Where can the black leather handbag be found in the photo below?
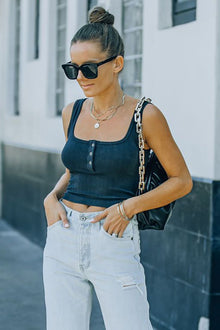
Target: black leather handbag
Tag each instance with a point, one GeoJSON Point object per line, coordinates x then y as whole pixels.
{"type": "Point", "coordinates": [154, 176]}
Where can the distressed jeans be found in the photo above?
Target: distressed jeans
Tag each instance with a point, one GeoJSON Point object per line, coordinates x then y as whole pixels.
{"type": "Point", "coordinates": [83, 256]}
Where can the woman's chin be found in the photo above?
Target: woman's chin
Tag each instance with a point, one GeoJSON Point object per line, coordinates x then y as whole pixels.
{"type": "Point", "coordinates": [89, 93]}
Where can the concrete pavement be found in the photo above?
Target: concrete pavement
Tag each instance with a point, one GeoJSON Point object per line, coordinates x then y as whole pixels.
{"type": "Point", "coordinates": [22, 304]}
{"type": "Point", "coordinates": [21, 284]}
{"type": "Point", "coordinates": [21, 290]}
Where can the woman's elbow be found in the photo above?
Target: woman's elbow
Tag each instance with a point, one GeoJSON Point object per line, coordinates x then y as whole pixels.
{"type": "Point", "coordinates": [187, 185]}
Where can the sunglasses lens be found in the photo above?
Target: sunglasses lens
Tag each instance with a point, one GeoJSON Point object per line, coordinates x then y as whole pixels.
{"type": "Point", "coordinates": [89, 70]}
{"type": "Point", "coordinates": [70, 71]}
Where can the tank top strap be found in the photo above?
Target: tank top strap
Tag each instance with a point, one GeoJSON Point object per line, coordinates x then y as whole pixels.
{"type": "Point", "coordinates": [75, 113]}
{"type": "Point", "coordinates": [142, 108]}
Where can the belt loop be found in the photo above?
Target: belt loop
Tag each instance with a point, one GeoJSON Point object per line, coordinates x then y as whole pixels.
{"type": "Point", "coordinates": [70, 213]}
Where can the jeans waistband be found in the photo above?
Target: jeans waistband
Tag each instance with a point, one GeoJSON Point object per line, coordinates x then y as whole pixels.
{"type": "Point", "coordinates": [80, 215]}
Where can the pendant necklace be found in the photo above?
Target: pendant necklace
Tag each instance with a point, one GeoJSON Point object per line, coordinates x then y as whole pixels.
{"type": "Point", "coordinates": [97, 124]}
{"type": "Point", "coordinates": [103, 113]}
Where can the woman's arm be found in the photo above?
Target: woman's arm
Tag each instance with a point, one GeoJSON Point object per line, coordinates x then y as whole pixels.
{"type": "Point", "coordinates": [59, 188]}
{"type": "Point", "coordinates": [52, 207]}
{"type": "Point", "coordinates": [157, 135]}
{"type": "Point", "coordinates": [61, 185]}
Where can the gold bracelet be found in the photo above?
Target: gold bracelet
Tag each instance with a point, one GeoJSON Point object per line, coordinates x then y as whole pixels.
{"type": "Point", "coordinates": [119, 211]}
{"type": "Point", "coordinates": [123, 212]}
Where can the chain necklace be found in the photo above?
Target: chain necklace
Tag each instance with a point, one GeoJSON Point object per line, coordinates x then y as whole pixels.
{"type": "Point", "coordinates": [97, 125]}
{"type": "Point", "coordinates": [103, 113]}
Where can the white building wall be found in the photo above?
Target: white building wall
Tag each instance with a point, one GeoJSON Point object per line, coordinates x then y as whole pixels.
{"type": "Point", "coordinates": [37, 126]}
{"type": "Point", "coordinates": [217, 94]}
{"type": "Point", "coordinates": [1, 96]}
{"type": "Point", "coordinates": [179, 74]}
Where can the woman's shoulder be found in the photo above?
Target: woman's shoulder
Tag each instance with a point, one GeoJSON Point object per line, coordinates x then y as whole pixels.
{"type": "Point", "coordinates": [152, 113]}
{"type": "Point", "coordinates": [66, 116]}
{"type": "Point", "coordinates": [149, 111]}
{"type": "Point", "coordinates": [67, 109]}
{"type": "Point", "coordinates": [154, 122]}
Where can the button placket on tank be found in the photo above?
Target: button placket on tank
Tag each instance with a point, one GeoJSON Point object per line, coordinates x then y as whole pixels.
{"type": "Point", "coordinates": [90, 156]}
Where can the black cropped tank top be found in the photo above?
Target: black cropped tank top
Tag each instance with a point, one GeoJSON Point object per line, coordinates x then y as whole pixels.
{"type": "Point", "coordinates": [103, 173]}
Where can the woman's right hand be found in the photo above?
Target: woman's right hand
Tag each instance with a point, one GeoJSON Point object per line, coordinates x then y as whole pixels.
{"type": "Point", "coordinates": [54, 210]}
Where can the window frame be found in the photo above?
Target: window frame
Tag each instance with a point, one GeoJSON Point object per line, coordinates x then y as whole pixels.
{"type": "Point", "coordinates": [183, 12]}
{"type": "Point", "coordinates": [37, 29]}
{"type": "Point", "coordinates": [33, 30]}
{"type": "Point", "coordinates": [59, 80]}
{"type": "Point", "coordinates": [91, 4]}
{"type": "Point", "coordinates": [134, 86]}
{"type": "Point", "coordinates": [17, 46]}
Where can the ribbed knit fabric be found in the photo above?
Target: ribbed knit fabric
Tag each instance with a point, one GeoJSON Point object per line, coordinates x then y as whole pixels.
{"type": "Point", "coordinates": [102, 173]}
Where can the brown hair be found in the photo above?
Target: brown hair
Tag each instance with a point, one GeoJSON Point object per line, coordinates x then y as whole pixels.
{"type": "Point", "coordinates": [100, 29]}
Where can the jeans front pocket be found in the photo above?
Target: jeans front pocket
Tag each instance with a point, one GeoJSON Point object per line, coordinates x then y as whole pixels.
{"type": "Point", "coordinates": [127, 234]}
{"type": "Point", "coordinates": [58, 222]}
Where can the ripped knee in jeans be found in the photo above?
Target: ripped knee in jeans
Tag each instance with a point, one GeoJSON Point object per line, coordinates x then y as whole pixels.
{"type": "Point", "coordinates": [128, 281]}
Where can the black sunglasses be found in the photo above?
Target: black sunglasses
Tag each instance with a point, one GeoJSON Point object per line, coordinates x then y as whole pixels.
{"type": "Point", "coordinates": [89, 70]}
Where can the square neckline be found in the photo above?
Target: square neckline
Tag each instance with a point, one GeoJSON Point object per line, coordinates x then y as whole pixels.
{"type": "Point", "coordinates": [99, 141]}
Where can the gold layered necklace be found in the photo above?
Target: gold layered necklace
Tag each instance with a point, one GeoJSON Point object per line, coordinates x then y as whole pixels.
{"type": "Point", "coordinates": [99, 120]}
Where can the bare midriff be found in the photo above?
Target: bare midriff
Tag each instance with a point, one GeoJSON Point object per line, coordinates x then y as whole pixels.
{"type": "Point", "coordinates": [82, 207]}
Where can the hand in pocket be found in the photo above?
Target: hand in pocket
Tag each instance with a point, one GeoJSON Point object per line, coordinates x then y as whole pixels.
{"type": "Point", "coordinates": [55, 211]}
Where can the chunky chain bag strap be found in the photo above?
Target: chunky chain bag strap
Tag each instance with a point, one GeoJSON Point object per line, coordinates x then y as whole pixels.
{"type": "Point", "coordinates": [153, 176]}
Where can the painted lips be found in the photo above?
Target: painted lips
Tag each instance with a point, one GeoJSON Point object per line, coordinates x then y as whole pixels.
{"type": "Point", "coordinates": [86, 86]}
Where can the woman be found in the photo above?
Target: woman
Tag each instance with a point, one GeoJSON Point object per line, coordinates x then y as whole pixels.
{"type": "Point", "coordinates": [91, 242]}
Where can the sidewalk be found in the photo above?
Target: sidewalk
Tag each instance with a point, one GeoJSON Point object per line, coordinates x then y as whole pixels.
{"type": "Point", "coordinates": [22, 304]}
{"type": "Point", "coordinates": [21, 299]}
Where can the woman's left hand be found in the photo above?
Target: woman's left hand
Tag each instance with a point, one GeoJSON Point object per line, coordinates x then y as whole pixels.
{"type": "Point", "coordinates": [114, 223]}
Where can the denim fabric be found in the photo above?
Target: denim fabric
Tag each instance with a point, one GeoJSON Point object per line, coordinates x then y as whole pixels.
{"type": "Point", "coordinates": [85, 255]}
{"type": "Point", "coordinates": [102, 173]}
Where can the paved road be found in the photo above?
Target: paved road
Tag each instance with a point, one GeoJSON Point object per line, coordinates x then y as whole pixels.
{"type": "Point", "coordinates": [21, 284]}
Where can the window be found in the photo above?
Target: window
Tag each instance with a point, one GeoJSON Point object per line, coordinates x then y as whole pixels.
{"type": "Point", "coordinates": [91, 3]}
{"type": "Point", "coordinates": [37, 19]}
{"type": "Point", "coordinates": [184, 11]}
{"type": "Point", "coordinates": [60, 53]}
{"type": "Point", "coordinates": [33, 31]}
{"type": "Point", "coordinates": [17, 57]}
{"type": "Point", "coordinates": [132, 27]}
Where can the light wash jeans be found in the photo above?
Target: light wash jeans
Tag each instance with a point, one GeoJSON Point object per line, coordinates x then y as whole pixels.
{"type": "Point", "coordinates": [85, 255]}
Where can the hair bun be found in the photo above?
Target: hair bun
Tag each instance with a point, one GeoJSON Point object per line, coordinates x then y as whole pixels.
{"type": "Point", "coordinates": [100, 15]}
